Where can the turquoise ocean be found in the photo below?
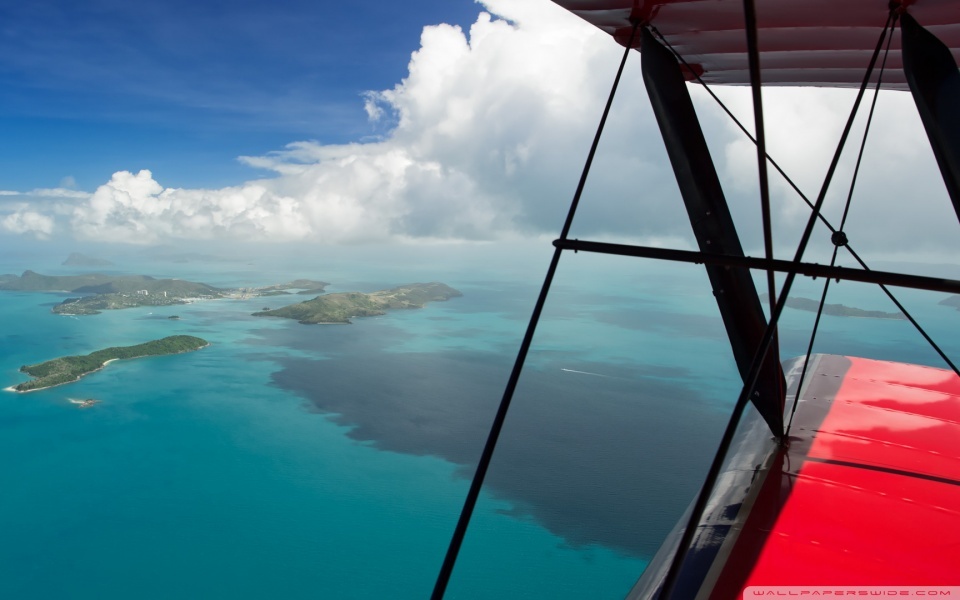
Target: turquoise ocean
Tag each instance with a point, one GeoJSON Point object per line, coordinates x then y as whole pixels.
{"type": "Point", "coordinates": [293, 461]}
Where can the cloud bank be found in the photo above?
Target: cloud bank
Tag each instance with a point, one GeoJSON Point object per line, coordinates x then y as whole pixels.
{"type": "Point", "coordinates": [485, 139]}
{"type": "Point", "coordinates": [25, 220]}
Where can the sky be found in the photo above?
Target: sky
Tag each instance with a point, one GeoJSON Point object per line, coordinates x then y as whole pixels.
{"type": "Point", "coordinates": [429, 121]}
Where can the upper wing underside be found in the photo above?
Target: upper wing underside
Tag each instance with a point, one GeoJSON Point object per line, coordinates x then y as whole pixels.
{"type": "Point", "coordinates": [814, 42]}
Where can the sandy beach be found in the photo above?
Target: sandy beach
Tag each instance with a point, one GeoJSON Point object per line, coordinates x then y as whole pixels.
{"type": "Point", "coordinates": [14, 389]}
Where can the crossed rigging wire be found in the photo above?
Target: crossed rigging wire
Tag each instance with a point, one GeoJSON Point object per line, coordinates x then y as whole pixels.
{"type": "Point", "coordinates": [672, 576]}
{"type": "Point", "coordinates": [838, 236]}
{"type": "Point", "coordinates": [473, 494]}
{"type": "Point", "coordinates": [777, 302]}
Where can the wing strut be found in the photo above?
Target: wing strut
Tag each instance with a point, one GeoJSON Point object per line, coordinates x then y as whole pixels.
{"type": "Point", "coordinates": [672, 578]}
{"type": "Point", "coordinates": [935, 83]}
{"type": "Point", "coordinates": [712, 224]}
{"type": "Point", "coordinates": [473, 494]}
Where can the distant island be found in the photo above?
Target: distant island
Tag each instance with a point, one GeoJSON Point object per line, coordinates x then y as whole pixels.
{"type": "Point", "coordinates": [85, 403]}
{"type": "Point", "coordinates": [839, 310]}
{"type": "Point", "coordinates": [98, 292]}
{"type": "Point", "coordinates": [68, 369]}
{"type": "Point", "coordinates": [953, 301]}
{"type": "Point", "coordinates": [305, 286]}
{"type": "Point", "coordinates": [339, 308]}
{"type": "Point", "coordinates": [82, 260]}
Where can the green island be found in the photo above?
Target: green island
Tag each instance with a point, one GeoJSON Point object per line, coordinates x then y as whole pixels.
{"type": "Point", "coordinates": [339, 308]}
{"type": "Point", "coordinates": [68, 369]}
{"type": "Point", "coordinates": [305, 286]}
{"type": "Point", "coordinates": [839, 310]}
{"type": "Point", "coordinates": [98, 291]}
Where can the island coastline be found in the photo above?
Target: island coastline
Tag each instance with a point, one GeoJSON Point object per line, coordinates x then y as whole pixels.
{"type": "Point", "coordinates": [341, 307]}
{"type": "Point", "coordinates": [152, 348]}
{"type": "Point", "coordinates": [96, 292]}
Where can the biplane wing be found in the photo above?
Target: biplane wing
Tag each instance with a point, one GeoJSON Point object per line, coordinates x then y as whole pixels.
{"type": "Point", "coordinates": [866, 493]}
{"type": "Point", "coordinates": [811, 43]}
{"type": "Point", "coordinates": [862, 486]}
{"type": "Point", "coordinates": [866, 488]}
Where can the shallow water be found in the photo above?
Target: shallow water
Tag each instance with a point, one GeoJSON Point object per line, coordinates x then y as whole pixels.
{"type": "Point", "coordinates": [331, 461]}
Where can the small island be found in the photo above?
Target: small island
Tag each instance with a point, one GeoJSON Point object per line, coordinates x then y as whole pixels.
{"type": "Point", "coordinates": [838, 310]}
{"type": "Point", "coordinates": [953, 301]}
{"type": "Point", "coordinates": [85, 403]}
{"type": "Point", "coordinates": [306, 286]}
{"type": "Point", "coordinates": [341, 307]}
{"type": "Point", "coordinates": [68, 369]}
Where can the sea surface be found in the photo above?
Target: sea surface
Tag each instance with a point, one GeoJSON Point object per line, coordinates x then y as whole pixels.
{"type": "Point", "coordinates": [293, 461]}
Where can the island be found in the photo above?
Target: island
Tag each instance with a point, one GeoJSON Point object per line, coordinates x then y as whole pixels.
{"type": "Point", "coordinates": [82, 260]}
{"type": "Point", "coordinates": [85, 403]}
{"type": "Point", "coordinates": [98, 291]}
{"type": "Point", "coordinates": [305, 286]}
{"type": "Point", "coordinates": [953, 301]}
{"type": "Point", "coordinates": [339, 308]}
{"type": "Point", "coordinates": [838, 310]}
{"type": "Point", "coordinates": [68, 369]}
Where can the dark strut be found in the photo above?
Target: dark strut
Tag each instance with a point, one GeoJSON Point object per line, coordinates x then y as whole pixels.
{"type": "Point", "coordinates": [470, 502]}
{"type": "Point", "coordinates": [712, 224]}
{"type": "Point", "coordinates": [904, 280]}
{"type": "Point", "coordinates": [672, 577]}
{"type": "Point", "coordinates": [935, 82]}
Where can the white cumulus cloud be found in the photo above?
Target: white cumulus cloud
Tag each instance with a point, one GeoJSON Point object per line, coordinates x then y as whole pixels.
{"type": "Point", "coordinates": [135, 208]}
{"type": "Point", "coordinates": [489, 132]}
{"type": "Point", "coordinates": [28, 221]}
{"type": "Point", "coordinates": [479, 137]}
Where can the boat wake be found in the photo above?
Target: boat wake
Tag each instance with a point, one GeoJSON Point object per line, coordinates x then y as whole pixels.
{"type": "Point", "coordinates": [584, 372]}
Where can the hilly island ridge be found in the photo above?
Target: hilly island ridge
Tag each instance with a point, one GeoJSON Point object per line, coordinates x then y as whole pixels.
{"type": "Point", "coordinates": [98, 291]}
{"type": "Point", "coordinates": [837, 310]}
{"type": "Point", "coordinates": [68, 369]}
{"type": "Point", "coordinates": [339, 308]}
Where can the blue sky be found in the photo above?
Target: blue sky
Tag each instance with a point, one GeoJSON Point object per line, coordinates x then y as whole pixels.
{"type": "Point", "coordinates": [183, 87]}
{"type": "Point", "coordinates": [428, 121]}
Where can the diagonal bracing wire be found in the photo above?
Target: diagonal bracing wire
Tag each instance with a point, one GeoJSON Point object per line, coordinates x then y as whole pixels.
{"type": "Point", "coordinates": [443, 578]}
{"type": "Point", "coordinates": [806, 200]}
{"type": "Point", "coordinates": [839, 238]}
{"type": "Point", "coordinates": [750, 381]}
{"type": "Point", "coordinates": [753, 58]}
